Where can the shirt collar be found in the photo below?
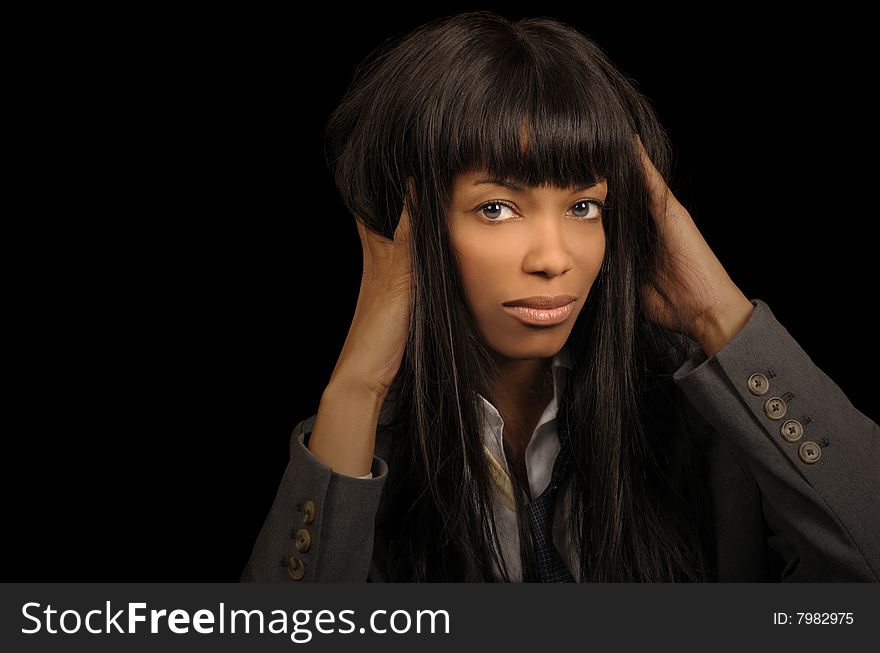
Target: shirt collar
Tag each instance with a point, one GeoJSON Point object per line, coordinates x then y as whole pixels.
{"type": "Point", "coordinates": [493, 437]}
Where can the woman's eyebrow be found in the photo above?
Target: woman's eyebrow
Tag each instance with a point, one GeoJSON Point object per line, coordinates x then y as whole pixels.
{"type": "Point", "coordinates": [521, 189]}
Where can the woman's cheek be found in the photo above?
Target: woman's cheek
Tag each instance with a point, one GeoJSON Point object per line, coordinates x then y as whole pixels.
{"type": "Point", "coordinates": [591, 254]}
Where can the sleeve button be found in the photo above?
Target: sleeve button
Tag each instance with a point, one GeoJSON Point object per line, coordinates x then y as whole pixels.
{"type": "Point", "coordinates": [792, 430]}
{"type": "Point", "coordinates": [774, 408]}
{"type": "Point", "coordinates": [758, 384]}
{"type": "Point", "coordinates": [295, 568]}
{"type": "Point", "coordinates": [302, 540]}
{"type": "Point", "coordinates": [309, 511]}
{"type": "Point", "coordinates": [810, 452]}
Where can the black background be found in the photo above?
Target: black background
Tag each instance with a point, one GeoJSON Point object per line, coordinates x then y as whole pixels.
{"type": "Point", "coordinates": [181, 274]}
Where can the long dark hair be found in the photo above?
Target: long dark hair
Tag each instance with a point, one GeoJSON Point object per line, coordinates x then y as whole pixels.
{"type": "Point", "coordinates": [453, 96]}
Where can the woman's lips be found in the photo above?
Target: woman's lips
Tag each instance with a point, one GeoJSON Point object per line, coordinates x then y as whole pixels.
{"type": "Point", "coordinates": [541, 316]}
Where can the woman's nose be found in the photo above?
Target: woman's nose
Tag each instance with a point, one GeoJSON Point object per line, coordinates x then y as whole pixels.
{"type": "Point", "coordinates": [547, 250]}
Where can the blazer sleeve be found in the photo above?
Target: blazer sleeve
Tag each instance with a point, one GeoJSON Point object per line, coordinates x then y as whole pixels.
{"type": "Point", "coordinates": [814, 457]}
{"type": "Point", "coordinates": [320, 527]}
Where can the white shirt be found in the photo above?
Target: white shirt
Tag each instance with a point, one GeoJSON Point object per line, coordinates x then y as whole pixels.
{"type": "Point", "coordinates": [539, 458]}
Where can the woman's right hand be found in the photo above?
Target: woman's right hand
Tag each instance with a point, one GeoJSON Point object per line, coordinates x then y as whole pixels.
{"type": "Point", "coordinates": [376, 340]}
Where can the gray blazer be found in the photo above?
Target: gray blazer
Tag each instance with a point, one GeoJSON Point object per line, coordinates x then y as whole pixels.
{"type": "Point", "coordinates": [793, 476]}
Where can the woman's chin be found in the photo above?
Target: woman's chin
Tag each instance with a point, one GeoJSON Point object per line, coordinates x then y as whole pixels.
{"type": "Point", "coordinates": [530, 348]}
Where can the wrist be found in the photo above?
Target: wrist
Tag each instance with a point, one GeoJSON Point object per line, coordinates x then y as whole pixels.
{"type": "Point", "coordinates": [718, 327]}
{"type": "Point", "coordinates": [344, 433]}
{"type": "Point", "coordinates": [354, 390]}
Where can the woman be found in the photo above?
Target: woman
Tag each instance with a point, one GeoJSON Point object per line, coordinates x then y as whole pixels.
{"type": "Point", "coordinates": [549, 376]}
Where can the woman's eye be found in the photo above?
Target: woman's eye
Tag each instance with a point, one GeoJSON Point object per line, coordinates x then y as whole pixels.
{"type": "Point", "coordinates": [494, 211]}
{"type": "Point", "coordinates": [587, 209]}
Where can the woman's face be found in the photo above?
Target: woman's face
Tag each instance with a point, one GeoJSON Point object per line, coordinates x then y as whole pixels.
{"type": "Point", "coordinates": [519, 243]}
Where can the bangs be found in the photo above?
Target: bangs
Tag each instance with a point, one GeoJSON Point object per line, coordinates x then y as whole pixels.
{"type": "Point", "coordinates": [534, 121]}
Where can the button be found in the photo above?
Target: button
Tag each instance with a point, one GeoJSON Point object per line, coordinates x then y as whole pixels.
{"type": "Point", "coordinates": [774, 408]}
{"type": "Point", "coordinates": [758, 384]}
{"type": "Point", "coordinates": [792, 430]}
{"type": "Point", "coordinates": [302, 540]}
{"type": "Point", "coordinates": [295, 568]}
{"type": "Point", "coordinates": [810, 452]}
{"type": "Point", "coordinates": [309, 511]}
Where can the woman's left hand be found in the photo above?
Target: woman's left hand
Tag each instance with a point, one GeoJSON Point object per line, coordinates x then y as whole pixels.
{"type": "Point", "coordinates": [700, 290]}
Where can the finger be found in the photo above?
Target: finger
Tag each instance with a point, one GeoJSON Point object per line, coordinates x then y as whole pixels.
{"type": "Point", "coordinates": [658, 191]}
{"type": "Point", "coordinates": [402, 237]}
{"type": "Point", "coordinates": [380, 248]}
{"type": "Point", "coordinates": [403, 225]}
{"type": "Point", "coordinates": [403, 230]}
{"type": "Point", "coordinates": [365, 247]}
